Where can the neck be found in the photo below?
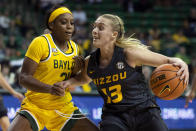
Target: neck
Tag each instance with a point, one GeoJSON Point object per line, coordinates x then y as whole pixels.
{"type": "Point", "coordinates": [106, 54]}
{"type": "Point", "coordinates": [61, 43]}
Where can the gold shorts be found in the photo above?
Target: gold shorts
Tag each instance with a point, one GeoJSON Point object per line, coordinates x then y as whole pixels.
{"type": "Point", "coordinates": [54, 120]}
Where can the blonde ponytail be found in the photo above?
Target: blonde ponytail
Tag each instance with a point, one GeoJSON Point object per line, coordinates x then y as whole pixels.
{"type": "Point", "coordinates": [130, 42]}
{"type": "Point", "coordinates": [118, 25]}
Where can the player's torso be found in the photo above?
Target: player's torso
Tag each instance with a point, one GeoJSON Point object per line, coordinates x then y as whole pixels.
{"type": "Point", "coordinates": [55, 68]}
{"type": "Point", "coordinates": [119, 84]}
{"type": "Point", "coordinates": [58, 65]}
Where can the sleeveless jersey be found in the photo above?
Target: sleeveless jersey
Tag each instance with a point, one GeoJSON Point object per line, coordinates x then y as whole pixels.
{"type": "Point", "coordinates": [121, 86]}
{"type": "Point", "coordinates": [54, 65]}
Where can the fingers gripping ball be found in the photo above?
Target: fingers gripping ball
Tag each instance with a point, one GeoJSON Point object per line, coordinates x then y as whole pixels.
{"type": "Point", "coordinates": [165, 83]}
{"type": "Point", "coordinates": [78, 64]}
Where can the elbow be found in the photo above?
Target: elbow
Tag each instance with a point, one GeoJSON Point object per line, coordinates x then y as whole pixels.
{"type": "Point", "coordinates": [21, 79]}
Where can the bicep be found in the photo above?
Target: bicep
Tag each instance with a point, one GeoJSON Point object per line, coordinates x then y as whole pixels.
{"type": "Point", "coordinates": [29, 66]}
{"type": "Point", "coordinates": [146, 57]}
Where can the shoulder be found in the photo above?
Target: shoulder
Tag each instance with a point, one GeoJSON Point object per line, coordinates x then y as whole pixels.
{"type": "Point", "coordinates": [40, 40]}
{"type": "Point", "coordinates": [133, 55]}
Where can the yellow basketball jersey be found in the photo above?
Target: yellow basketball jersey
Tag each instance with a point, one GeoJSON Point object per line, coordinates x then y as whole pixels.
{"type": "Point", "coordinates": [54, 65]}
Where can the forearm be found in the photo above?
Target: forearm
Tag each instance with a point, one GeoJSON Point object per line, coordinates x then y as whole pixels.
{"type": "Point", "coordinates": [4, 84]}
{"type": "Point", "coordinates": [194, 83]}
{"type": "Point", "coordinates": [172, 60]}
{"type": "Point", "coordinates": [29, 82]}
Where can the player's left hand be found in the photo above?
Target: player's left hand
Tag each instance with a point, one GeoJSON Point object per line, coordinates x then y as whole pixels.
{"type": "Point", "coordinates": [64, 85]}
{"type": "Point", "coordinates": [183, 71]}
{"type": "Point", "coordinates": [79, 64]}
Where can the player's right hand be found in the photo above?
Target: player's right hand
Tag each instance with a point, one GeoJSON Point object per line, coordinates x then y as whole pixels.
{"type": "Point", "coordinates": [18, 95]}
{"type": "Point", "coordinates": [57, 90]}
{"type": "Point", "coordinates": [189, 98]}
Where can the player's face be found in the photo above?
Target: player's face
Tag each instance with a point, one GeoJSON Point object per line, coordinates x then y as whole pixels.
{"type": "Point", "coordinates": [102, 32]}
{"type": "Point", "coordinates": [63, 26]}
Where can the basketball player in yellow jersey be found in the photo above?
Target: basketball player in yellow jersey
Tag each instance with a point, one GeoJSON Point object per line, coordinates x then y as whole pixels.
{"type": "Point", "coordinates": [49, 59]}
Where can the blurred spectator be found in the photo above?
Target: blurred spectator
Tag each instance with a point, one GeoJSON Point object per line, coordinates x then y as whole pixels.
{"type": "Point", "coordinates": [13, 30]}
{"type": "Point", "coordinates": [127, 5]}
{"type": "Point", "coordinates": [154, 31]}
{"type": "Point", "coordinates": [79, 16]}
{"type": "Point", "coordinates": [12, 47]}
{"type": "Point", "coordinates": [183, 54]}
{"type": "Point", "coordinates": [192, 21]}
{"type": "Point", "coordinates": [180, 38]}
{"type": "Point", "coordinates": [4, 21]}
{"type": "Point", "coordinates": [27, 40]}
{"type": "Point", "coordinates": [142, 37]}
{"type": "Point", "coordinates": [143, 6]}
{"type": "Point", "coordinates": [94, 1]}
{"type": "Point", "coordinates": [154, 38]}
{"type": "Point", "coordinates": [155, 43]}
{"type": "Point", "coordinates": [46, 4]}
{"type": "Point", "coordinates": [5, 69]}
{"type": "Point", "coordinates": [18, 20]}
{"type": "Point", "coordinates": [187, 31]}
{"type": "Point", "coordinates": [168, 46]}
{"type": "Point", "coordinates": [2, 47]}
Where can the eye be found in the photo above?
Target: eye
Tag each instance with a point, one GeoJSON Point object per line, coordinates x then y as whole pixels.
{"type": "Point", "coordinates": [101, 27]}
{"type": "Point", "coordinates": [72, 23]}
{"type": "Point", "coordinates": [63, 22]}
{"type": "Point", "coordinates": [92, 25]}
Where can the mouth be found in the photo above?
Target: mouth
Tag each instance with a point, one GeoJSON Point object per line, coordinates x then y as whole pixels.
{"type": "Point", "coordinates": [95, 38]}
{"type": "Point", "coordinates": [68, 33]}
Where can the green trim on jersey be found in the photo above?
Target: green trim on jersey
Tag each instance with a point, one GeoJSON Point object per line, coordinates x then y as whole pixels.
{"type": "Point", "coordinates": [33, 124]}
{"type": "Point", "coordinates": [48, 48]}
{"type": "Point", "coordinates": [70, 124]}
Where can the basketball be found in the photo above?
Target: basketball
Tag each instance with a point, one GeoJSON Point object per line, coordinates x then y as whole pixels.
{"type": "Point", "coordinates": [165, 83]}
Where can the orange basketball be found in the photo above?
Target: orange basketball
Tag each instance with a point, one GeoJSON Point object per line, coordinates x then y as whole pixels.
{"type": "Point", "coordinates": [165, 83]}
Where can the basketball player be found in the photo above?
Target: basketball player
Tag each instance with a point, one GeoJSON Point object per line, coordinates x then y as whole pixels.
{"type": "Point", "coordinates": [4, 120]}
{"type": "Point", "coordinates": [49, 59]}
{"type": "Point", "coordinates": [115, 68]}
{"type": "Point", "coordinates": [191, 94]}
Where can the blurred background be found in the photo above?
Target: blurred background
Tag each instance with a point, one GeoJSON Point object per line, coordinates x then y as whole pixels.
{"type": "Point", "coordinates": [167, 26]}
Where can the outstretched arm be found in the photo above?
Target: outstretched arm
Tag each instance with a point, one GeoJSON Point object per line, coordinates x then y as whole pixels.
{"type": "Point", "coordinates": [140, 56]}
{"type": "Point", "coordinates": [191, 94]}
{"type": "Point", "coordinates": [4, 84]}
{"type": "Point", "coordinates": [27, 80]}
{"type": "Point", "coordinates": [80, 79]}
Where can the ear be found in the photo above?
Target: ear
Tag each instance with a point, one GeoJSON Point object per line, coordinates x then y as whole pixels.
{"type": "Point", "coordinates": [115, 34]}
{"type": "Point", "coordinates": [51, 25]}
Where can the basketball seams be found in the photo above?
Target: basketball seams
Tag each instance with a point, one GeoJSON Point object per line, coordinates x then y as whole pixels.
{"type": "Point", "coordinates": [163, 82]}
{"type": "Point", "coordinates": [161, 71]}
{"type": "Point", "coordinates": [172, 90]}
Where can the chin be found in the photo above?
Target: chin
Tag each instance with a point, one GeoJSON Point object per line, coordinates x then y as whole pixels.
{"type": "Point", "coordinates": [67, 37]}
{"type": "Point", "coordinates": [95, 44]}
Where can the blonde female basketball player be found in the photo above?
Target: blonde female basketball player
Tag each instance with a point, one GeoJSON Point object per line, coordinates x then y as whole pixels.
{"type": "Point", "coordinates": [116, 69]}
{"type": "Point", "coordinates": [49, 60]}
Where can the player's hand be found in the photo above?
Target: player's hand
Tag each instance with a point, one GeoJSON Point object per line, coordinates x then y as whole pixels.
{"type": "Point", "coordinates": [79, 64]}
{"type": "Point", "coordinates": [63, 84]}
{"type": "Point", "coordinates": [183, 71]}
{"type": "Point", "coordinates": [18, 95]}
{"type": "Point", "coordinates": [189, 98]}
{"type": "Point", "coordinates": [57, 90]}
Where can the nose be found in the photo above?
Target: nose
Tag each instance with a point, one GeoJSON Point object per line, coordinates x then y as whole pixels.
{"type": "Point", "coordinates": [94, 32]}
{"type": "Point", "coordinates": [69, 26]}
